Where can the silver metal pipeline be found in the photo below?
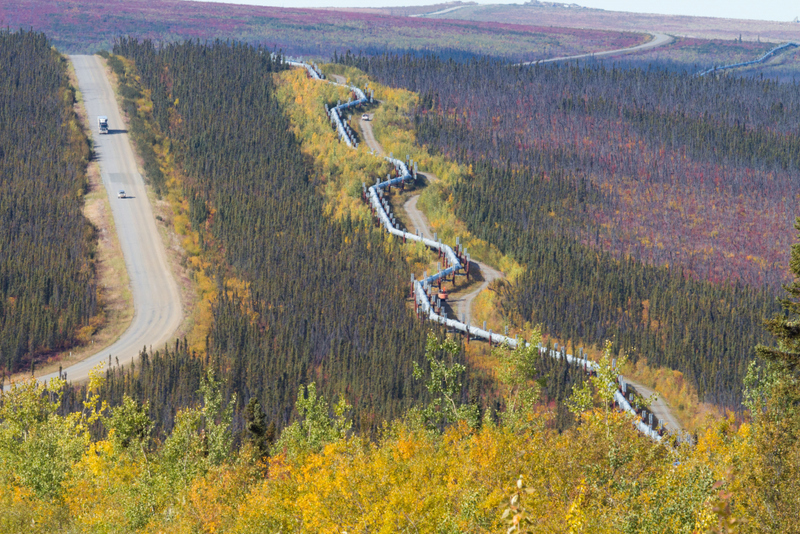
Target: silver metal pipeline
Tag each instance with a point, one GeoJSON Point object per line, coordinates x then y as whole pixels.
{"type": "Point", "coordinates": [336, 115]}
{"type": "Point", "coordinates": [312, 69]}
{"type": "Point", "coordinates": [335, 112]}
{"type": "Point", "coordinates": [455, 265]}
{"type": "Point", "coordinates": [763, 58]}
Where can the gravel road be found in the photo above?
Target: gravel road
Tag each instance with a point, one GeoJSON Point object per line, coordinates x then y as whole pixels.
{"type": "Point", "coordinates": [659, 39]}
{"type": "Point", "coordinates": [156, 299]}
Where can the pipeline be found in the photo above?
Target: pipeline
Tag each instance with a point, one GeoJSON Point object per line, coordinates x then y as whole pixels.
{"type": "Point", "coordinates": [747, 63]}
{"type": "Point", "coordinates": [454, 258]}
{"type": "Point", "coordinates": [311, 68]}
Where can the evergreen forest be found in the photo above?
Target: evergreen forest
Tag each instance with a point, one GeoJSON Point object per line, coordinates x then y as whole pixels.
{"type": "Point", "coordinates": [648, 207]}
{"type": "Point", "coordinates": [48, 288]}
{"type": "Point", "coordinates": [310, 307]}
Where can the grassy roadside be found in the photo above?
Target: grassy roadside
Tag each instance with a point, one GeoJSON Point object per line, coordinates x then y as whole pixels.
{"type": "Point", "coordinates": [394, 131]}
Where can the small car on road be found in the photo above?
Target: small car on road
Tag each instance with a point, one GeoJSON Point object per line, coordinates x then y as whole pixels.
{"type": "Point", "coordinates": [121, 194]}
{"type": "Point", "coordinates": [365, 117]}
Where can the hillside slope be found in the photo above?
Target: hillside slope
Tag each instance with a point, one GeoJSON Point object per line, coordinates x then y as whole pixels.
{"type": "Point", "coordinates": [48, 284]}
{"type": "Point", "coordinates": [296, 298]}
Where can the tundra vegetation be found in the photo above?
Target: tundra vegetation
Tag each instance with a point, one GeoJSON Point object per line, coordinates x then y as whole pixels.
{"type": "Point", "coordinates": [568, 16]}
{"type": "Point", "coordinates": [91, 25]}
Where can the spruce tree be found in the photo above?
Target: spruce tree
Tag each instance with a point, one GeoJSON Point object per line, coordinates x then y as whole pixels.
{"type": "Point", "coordinates": [786, 327]}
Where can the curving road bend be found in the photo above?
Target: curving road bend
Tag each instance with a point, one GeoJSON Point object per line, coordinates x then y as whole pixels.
{"type": "Point", "coordinates": [659, 39]}
{"type": "Point", "coordinates": [441, 12]}
{"type": "Point", "coordinates": [416, 217]}
{"type": "Point", "coordinates": [462, 303]}
{"type": "Point", "coordinates": [156, 299]}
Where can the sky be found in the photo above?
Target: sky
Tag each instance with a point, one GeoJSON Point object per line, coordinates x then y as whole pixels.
{"type": "Point", "coordinates": [779, 10]}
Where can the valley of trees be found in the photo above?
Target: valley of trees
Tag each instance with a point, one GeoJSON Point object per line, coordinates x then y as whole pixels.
{"type": "Point", "coordinates": [648, 207]}
{"type": "Point", "coordinates": [317, 300]}
{"type": "Point", "coordinates": [48, 288]}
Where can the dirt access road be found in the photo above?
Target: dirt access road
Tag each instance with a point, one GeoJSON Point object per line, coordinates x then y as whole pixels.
{"type": "Point", "coordinates": [156, 298]}
{"type": "Point", "coordinates": [661, 409]}
{"type": "Point", "coordinates": [462, 304]}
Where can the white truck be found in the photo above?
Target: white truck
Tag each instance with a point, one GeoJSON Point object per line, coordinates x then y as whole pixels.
{"type": "Point", "coordinates": [102, 124]}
